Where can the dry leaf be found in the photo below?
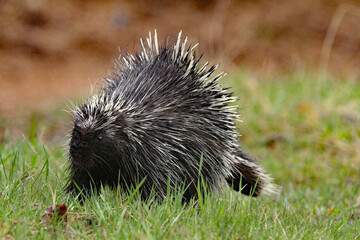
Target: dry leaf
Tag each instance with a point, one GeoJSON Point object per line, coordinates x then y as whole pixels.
{"type": "Point", "coordinates": [330, 210]}
{"type": "Point", "coordinates": [50, 211]}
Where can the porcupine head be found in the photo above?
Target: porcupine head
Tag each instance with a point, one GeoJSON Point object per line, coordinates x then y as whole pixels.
{"type": "Point", "coordinates": [161, 119]}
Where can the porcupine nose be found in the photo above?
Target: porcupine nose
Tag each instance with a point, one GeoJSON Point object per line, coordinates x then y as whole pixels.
{"type": "Point", "coordinates": [79, 144]}
{"type": "Point", "coordinates": [78, 139]}
{"type": "Point", "coordinates": [79, 151]}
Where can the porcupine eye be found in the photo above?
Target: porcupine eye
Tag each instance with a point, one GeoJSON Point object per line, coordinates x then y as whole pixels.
{"type": "Point", "coordinates": [99, 137]}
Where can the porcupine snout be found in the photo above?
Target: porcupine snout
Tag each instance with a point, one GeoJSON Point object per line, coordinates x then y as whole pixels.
{"type": "Point", "coordinates": [80, 151]}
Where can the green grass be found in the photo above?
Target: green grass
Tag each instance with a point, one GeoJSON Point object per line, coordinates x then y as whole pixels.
{"type": "Point", "coordinates": [306, 133]}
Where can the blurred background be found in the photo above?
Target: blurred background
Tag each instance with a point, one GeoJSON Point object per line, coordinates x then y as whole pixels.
{"type": "Point", "coordinates": [52, 51]}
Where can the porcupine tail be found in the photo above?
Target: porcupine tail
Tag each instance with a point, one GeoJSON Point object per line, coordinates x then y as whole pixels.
{"type": "Point", "coordinates": [250, 178]}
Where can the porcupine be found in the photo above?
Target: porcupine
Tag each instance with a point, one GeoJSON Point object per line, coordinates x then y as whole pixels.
{"type": "Point", "coordinates": [162, 118]}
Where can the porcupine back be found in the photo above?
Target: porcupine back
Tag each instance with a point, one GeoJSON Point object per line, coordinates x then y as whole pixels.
{"type": "Point", "coordinates": [166, 121]}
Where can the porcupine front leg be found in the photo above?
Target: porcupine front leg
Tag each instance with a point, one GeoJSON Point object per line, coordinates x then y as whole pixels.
{"type": "Point", "coordinates": [80, 182]}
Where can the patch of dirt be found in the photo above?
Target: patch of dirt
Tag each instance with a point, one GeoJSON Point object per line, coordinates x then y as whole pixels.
{"type": "Point", "coordinates": [51, 51]}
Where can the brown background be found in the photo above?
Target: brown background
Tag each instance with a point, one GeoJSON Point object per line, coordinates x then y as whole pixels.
{"type": "Point", "coordinates": [51, 51]}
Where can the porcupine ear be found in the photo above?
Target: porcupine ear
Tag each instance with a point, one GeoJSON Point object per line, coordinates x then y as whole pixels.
{"type": "Point", "coordinates": [249, 178]}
